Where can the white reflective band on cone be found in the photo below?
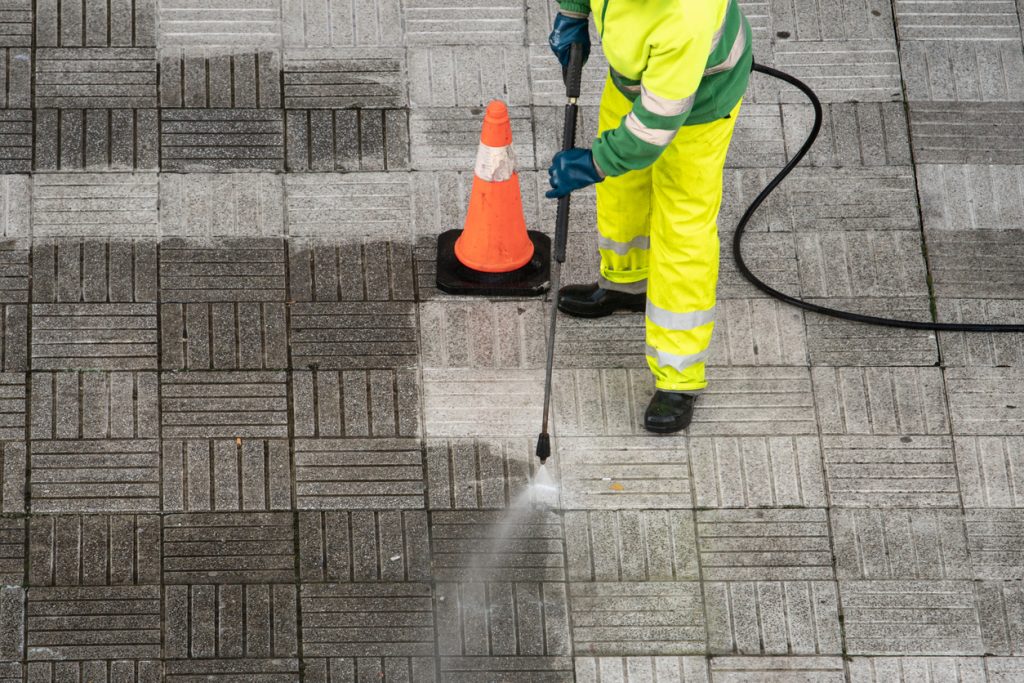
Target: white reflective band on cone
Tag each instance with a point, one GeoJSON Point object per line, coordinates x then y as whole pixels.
{"type": "Point", "coordinates": [495, 164]}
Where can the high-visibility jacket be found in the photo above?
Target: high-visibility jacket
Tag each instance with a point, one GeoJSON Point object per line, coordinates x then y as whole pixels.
{"type": "Point", "coordinates": [681, 62]}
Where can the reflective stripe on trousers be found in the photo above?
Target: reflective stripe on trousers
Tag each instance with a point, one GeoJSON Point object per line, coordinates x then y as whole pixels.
{"type": "Point", "coordinates": [658, 230]}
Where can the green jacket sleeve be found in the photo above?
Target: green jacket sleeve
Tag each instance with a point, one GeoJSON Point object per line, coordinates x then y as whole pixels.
{"type": "Point", "coordinates": [574, 7]}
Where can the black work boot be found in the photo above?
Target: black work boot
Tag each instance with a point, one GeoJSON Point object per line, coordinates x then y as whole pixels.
{"type": "Point", "coordinates": [669, 412]}
{"type": "Point", "coordinates": [592, 301]}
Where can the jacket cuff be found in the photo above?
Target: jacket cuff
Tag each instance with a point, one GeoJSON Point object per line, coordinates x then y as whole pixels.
{"type": "Point", "coordinates": [574, 9]}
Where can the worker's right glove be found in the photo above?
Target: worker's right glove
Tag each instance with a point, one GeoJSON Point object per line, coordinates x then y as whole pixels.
{"type": "Point", "coordinates": [567, 32]}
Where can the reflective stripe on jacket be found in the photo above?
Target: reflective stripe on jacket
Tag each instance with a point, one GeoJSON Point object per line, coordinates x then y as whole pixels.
{"type": "Point", "coordinates": [681, 62]}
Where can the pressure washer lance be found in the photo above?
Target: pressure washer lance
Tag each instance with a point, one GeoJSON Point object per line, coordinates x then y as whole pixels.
{"type": "Point", "coordinates": [572, 76]}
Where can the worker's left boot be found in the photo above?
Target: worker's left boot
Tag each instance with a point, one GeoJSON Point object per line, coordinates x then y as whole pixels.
{"type": "Point", "coordinates": [669, 412]}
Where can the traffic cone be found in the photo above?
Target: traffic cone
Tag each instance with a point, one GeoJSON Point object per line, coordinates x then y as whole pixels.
{"type": "Point", "coordinates": [494, 253]}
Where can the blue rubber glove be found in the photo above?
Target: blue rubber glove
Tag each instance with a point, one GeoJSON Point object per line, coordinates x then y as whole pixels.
{"type": "Point", "coordinates": [572, 170]}
{"type": "Point", "coordinates": [567, 31]}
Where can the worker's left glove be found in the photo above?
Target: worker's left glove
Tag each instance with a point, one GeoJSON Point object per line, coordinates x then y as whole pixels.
{"type": "Point", "coordinates": [568, 31]}
{"type": "Point", "coordinates": [572, 170]}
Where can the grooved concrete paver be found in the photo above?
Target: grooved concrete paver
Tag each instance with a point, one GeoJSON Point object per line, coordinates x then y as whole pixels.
{"type": "Point", "coordinates": [189, 78]}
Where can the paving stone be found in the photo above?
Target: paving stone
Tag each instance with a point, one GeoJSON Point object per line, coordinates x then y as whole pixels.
{"type": "Point", "coordinates": [966, 133]}
{"type": "Point", "coordinates": [229, 25]}
{"type": "Point", "coordinates": [480, 473]}
{"type": "Point", "coordinates": [201, 475]}
{"type": "Point", "coordinates": [94, 405]}
{"type": "Point", "coordinates": [486, 545]}
{"type": "Point", "coordinates": [95, 204]}
{"type": "Point", "coordinates": [631, 618]}
{"type": "Point", "coordinates": [119, 622]}
{"type": "Point", "coordinates": [15, 76]}
{"type": "Point", "coordinates": [642, 669]}
{"type": "Point", "coordinates": [513, 632]}
{"type": "Point", "coordinates": [995, 539]}
{"type": "Point", "coordinates": [336, 617]}
{"type": "Point", "coordinates": [448, 138]}
{"type": "Point", "coordinates": [1001, 609]}
{"type": "Point", "coordinates": [275, 670]}
{"type": "Point", "coordinates": [12, 623]}
{"type": "Point", "coordinates": [14, 285]}
{"type": "Point", "coordinates": [11, 672]}
{"type": "Point", "coordinates": [95, 476]}
{"type": "Point", "coordinates": [910, 617]}
{"type": "Point", "coordinates": [899, 544]}
{"type": "Point", "coordinates": [631, 545]}
{"type": "Point", "coordinates": [358, 474]}
{"type": "Point", "coordinates": [750, 472]}
{"type": "Point", "coordinates": [368, 668]}
{"type": "Point", "coordinates": [16, 23]}
{"type": "Point", "coordinates": [762, 669]}
{"type": "Point", "coordinates": [757, 138]}
{"type": "Point", "coordinates": [226, 621]}
{"type": "Point", "coordinates": [453, 22]}
{"type": "Point", "coordinates": [12, 482]}
{"type": "Point", "coordinates": [751, 332]}
{"type": "Point", "coordinates": [369, 270]}
{"type": "Point", "coordinates": [228, 548]}
{"type": "Point", "coordinates": [771, 256]}
{"type": "Point", "coordinates": [854, 264]}
{"type": "Point", "coordinates": [962, 70]}
{"type": "Point", "coordinates": [12, 550]}
{"type": "Point", "coordinates": [984, 401]}
{"type": "Point", "coordinates": [980, 349]}
{"type": "Point", "coordinates": [466, 76]}
{"type": "Point", "coordinates": [12, 411]}
{"type": "Point", "coordinates": [16, 130]}
{"type": "Point", "coordinates": [834, 342]}
{"type": "Point", "coordinates": [890, 471]}
{"type": "Point", "coordinates": [353, 335]}
{"type": "Point", "coordinates": [340, 23]}
{"type": "Point", "coordinates": [119, 78]}
{"type": "Point", "coordinates": [15, 215]}
{"type": "Point", "coordinates": [223, 336]}
{"type": "Point", "coordinates": [613, 342]}
{"type": "Point", "coordinates": [876, 401]}
{"type": "Point", "coordinates": [94, 550]}
{"type": "Point", "coordinates": [223, 270]}
{"type": "Point", "coordinates": [342, 78]}
{"type": "Point", "coordinates": [974, 197]}
{"type": "Point", "coordinates": [635, 472]}
{"type": "Point", "coordinates": [347, 140]}
{"type": "Point", "coordinates": [481, 402]}
{"type": "Point", "coordinates": [764, 545]}
{"type": "Point", "coordinates": [858, 199]}
{"type": "Point", "coordinates": [990, 470]}
{"type": "Point", "coordinates": [547, 84]}
{"type": "Point", "coordinates": [1004, 669]}
{"type": "Point", "coordinates": [907, 669]}
{"type": "Point", "coordinates": [100, 670]}
{"type": "Point", "coordinates": [363, 546]}
{"type": "Point", "coordinates": [347, 206]}
{"type": "Point", "coordinates": [195, 78]}
{"type": "Point", "coordinates": [96, 139]}
{"type": "Point", "coordinates": [94, 336]}
{"type": "Point", "coordinates": [842, 70]}
{"type": "Point", "coordinates": [222, 140]}
{"type": "Point", "coordinates": [993, 20]}
{"type": "Point", "coordinates": [977, 264]}
{"type": "Point", "coordinates": [221, 205]}
{"type": "Point", "coordinates": [71, 271]}
{"type": "Point", "coordinates": [74, 23]}
{"type": "Point", "coordinates": [14, 337]}
{"type": "Point", "coordinates": [482, 334]}
{"type": "Point", "coordinates": [853, 134]}
{"type": "Point", "coordinates": [773, 617]}
{"type": "Point", "coordinates": [224, 405]}
{"type": "Point", "coordinates": [355, 403]}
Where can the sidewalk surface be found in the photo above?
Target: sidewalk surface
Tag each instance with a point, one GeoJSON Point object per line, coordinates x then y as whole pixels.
{"type": "Point", "coordinates": [243, 438]}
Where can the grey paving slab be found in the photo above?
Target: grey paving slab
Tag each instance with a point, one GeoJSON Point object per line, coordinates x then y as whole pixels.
{"type": "Point", "coordinates": [613, 342]}
{"type": "Point", "coordinates": [222, 139]}
{"type": "Point", "coordinates": [11, 672]}
{"type": "Point", "coordinates": [899, 544]}
{"type": "Point", "coordinates": [341, 78]}
{"type": "Point", "coordinates": [195, 271]}
{"type": "Point", "coordinates": [1001, 607]}
{"type": "Point", "coordinates": [14, 344]}
{"type": "Point", "coordinates": [228, 548]}
{"type": "Point", "coordinates": [95, 205]}
{"type": "Point", "coordinates": [466, 76]}
{"type": "Point", "coordinates": [191, 78]}
{"type": "Point", "coordinates": [995, 540]}
{"type": "Point", "coordinates": [144, 671]}
{"type": "Point", "coordinates": [347, 139]}
{"type": "Point", "coordinates": [984, 401]}
{"type": "Point", "coordinates": [448, 138]}
{"type": "Point", "coordinates": [631, 545]}
{"type": "Point", "coordinates": [843, 70]}
{"type": "Point", "coordinates": [12, 551]}
{"type": "Point", "coordinates": [16, 23]}
{"type": "Point", "coordinates": [358, 474]}
{"type": "Point", "coordinates": [224, 405]}
{"type": "Point", "coordinates": [853, 264]}
{"type": "Point", "coordinates": [642, 669]}
{"type": "Point", "coordinates": [365, 545]}
{"type": "Point", "coordinates": [94, 550]}
{"type": "Point", "coordinates": [355, 403]}
{"type": "Point", "coordinates": [756, 471]}
{"type": "Point", "coordinates": [753, 332]}
{"type": "Point", "coordinates": [353, 335]}
{"type": "Point", "coordinates": [221, 205]}
{"type": "Point", "coordinates": [94, 23]}
{"type": "Point", "coordinates": [906, 669]}
{"type": "Point", "coordinates": [835, 342]}
{"type": "Point", "coordinates": [853, 134]}
{"type": "Point", "coordinates": [328, 670]}
{"type": "Point", "coordinates": [94, 337]}
{"type": "Point", "coordinates": [772, 256]}
{"type": "Point", "coordinates": [277, 669]}
{"type": "Point", "coordinates": [348, 206]}
{"type": "Point", "coordinates": [12, 477]}
{"type": "Point", "coordinates": [16, 144]}
{"type": "Point", "coordinates": [96, 139]}
{"type": "Point", "coordinates": [989, 470]}
{"type": "Point", "coordinates": [957, 21]}
{"type": "Point", "coordinates": [94, 405]}
{"type": "Point", "coordinates": [72, 271]}
{"type": "Point", "coordinates": [977, 264]}
{"type": "Point", "coordinates": [481, 402]}
{"type": "Point", "coordinates": [482, 334]}
{"type": "Point", "coordinates": [16, 79]}
{"type": "Point", "coordinates": [758, 138]}
{"type": "Point", "coordinates": [623, 472]}
{"type": "Point", "coordinates": [227, 621]}
{"type": "Point", "coordinates": [335, 619]}
{"type": "Point", "coordinates": [854, 199]}
{"type": "Point", "coordinates": [546, 82]}
{"type": "Point", "coordinates": [802, 669]}
{"type": "Point", "coordinates": [480, 545]}
{"type": "Point", "coordinates": [891, 471]}
{"type": "Point", "coordinates": [876, 401]}
{"type": "Point", "coordinates": [910, 617]}
{"type": "Point", "coordinates": [223, 336]}
{"type": "Point", "coordinates": [971, 197]}
{"type": "Point", "coordinates": [637, 618]}
{"type": "Point", "coordinates": [370, 270]}
{"type": "Point", "coordinates": [228, 25]}
{"type": "Point", "coordinates": [12, 618]}
{"type": "Point", "coordinates": [118, 78]}
{"type": "Point", "coordinates": [340, 23]}
{"type": "Point", "coordinates": [62, 623]}
{"type": "Point", "coordinates": [199, 475]}
{"type": "Point", "coordinates": [12, 408]}
{"type": "Point", "coordinates": [483, 473]}
{"type": "Point", "coordinates": [104, 475]}
{"type": "Point", "coordinates": [454, 22]}
{"type": "Point", "coordinates": [1004, 669]}
{"type": "Point", "coordinates": [15, 208]}
{"type": "Point", "coordinates": [962, 71]}
{"type": "Point", "coordinates": [967, 132]}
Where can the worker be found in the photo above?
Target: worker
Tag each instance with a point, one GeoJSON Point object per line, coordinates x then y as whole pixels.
{"type": "Point", "coordinates": [679, 69]}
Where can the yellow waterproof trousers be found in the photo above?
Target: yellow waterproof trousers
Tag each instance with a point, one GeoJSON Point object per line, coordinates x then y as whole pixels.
{"type": "Point", "coordinates": [658, 233]}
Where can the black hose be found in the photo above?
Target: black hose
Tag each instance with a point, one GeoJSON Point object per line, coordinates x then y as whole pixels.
{"type": "Point", "coordinates": [806, 305]}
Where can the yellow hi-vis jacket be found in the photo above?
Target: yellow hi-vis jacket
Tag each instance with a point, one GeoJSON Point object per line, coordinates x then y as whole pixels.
{"type": "Point", "coordinates": [681, 62]}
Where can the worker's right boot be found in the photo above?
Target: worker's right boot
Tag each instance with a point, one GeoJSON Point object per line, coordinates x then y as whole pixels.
{"type": "Point", "coordinates": [593, 301]}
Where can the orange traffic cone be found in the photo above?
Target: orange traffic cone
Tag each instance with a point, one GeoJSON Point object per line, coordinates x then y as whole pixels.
{"type": "Point", "coordinates": [494, 253]}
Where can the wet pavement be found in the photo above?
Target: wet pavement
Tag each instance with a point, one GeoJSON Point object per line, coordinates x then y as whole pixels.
{"type": "Point", "coordinates": [244, 438]}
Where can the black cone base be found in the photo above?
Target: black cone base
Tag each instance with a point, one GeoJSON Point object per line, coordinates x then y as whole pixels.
{"type": "Point", "coordinates": [532, 279]}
